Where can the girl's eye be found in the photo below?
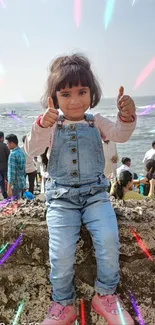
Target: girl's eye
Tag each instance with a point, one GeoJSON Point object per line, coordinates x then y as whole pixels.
{"type": "Point", "coordinates": [65, 95]}
{"type": "Point", "coordinates": [82, 92]}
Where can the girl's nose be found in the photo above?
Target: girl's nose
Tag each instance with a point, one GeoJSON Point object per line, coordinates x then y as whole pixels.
{"type": "Point", "coordinates": [74, 100]}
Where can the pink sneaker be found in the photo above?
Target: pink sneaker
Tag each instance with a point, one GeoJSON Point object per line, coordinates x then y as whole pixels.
{"type": "Point", "coordinates": [60, 315]}
{"type": "Point", "coordinates": [106, 306]}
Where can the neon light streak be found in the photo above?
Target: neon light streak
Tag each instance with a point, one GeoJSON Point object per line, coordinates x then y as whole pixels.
{"type": "Point", "coordinates": [82, 313]}
{"type": "Point", "coordinates": [141, 322]}
{"type": "Point", "coordinates": [3, 248]}
{"type": "Point", "coordinates": [11, 249]}
{"type": "Point", "coordinates": [145, 73]}
{"type": "Point", "coordinates": [147, 110]}
{"type": "Point", "coordinates": [120, 313]}
{"type": "Point", "coordinates": [18, 312]}
{"type": "Point", "coordinates": [108, 12]}
{"type": "Point", "coordinates": [77, 12]}
{"type": "Point", "coordinates": [140, 243]}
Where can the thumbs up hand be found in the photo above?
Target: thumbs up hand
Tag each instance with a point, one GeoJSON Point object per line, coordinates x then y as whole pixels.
{"type": "Point", "coordinates": [126, 106]}
{"type": "Point", "coordinates": [50, 116]}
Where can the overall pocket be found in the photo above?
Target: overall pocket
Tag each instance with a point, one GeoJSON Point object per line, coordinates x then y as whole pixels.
{"type": "Point", "coordinates": [52, 191]}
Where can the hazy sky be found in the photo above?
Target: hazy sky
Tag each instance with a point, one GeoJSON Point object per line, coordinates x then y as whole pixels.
{"type": "Point", "coordinates": [33, 32]}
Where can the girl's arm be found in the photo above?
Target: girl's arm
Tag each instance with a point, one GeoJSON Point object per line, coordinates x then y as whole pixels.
{"type": "Point", "coordinates": [118, 131]}
{"type": "Point", "coordinates": [38, 139]}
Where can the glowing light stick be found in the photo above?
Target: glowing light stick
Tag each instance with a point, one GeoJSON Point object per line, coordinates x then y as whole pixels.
{"type": "Point", "coordinates": [77, 11]}
{"type": "Point", "coordinates": [11, 249]}
{"type": "Point", "coordinates": [82, 313]}
{"type": "Point", "coordinates": [108, 12]}
{"type": "Point", "coordinates": [140, 243]}
{"type": "Point", "coordinates": [3, 248]}
{"type": "Point", "coordinates": [26, 40]}
{"type": "Point", "coordinates": [18, 312]}
{"type": "Point", "coordinates": [145, 73]}
{"type": "Point", "coordinates": [120, 313]}
{"type": "Point", "coordinates": [147, 110]}
{"type": "Point", "coordinates": [141, 322]}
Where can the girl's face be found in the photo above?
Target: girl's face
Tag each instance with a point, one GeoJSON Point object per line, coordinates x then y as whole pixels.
{"type": "Point", "coordinates": [74, 101]}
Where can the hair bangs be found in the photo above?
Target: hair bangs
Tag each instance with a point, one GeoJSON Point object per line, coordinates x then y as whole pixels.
{"type": "Point", "coordinates": [73, 76]}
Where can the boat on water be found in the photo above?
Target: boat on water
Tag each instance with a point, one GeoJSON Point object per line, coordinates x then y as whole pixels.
{"type": "Point", "coordinates": [10, 114]}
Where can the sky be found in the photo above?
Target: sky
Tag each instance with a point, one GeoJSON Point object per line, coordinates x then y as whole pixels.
{"type": "Point", "coordinates": [34, 32]}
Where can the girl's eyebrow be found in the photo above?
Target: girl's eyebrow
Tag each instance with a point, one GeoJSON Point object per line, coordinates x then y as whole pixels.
{"type": "Point", "coordinates": [68, 90]}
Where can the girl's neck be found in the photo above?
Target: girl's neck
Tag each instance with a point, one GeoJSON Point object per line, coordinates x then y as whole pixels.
{"type": "Point", "coordinates": [72, 119]}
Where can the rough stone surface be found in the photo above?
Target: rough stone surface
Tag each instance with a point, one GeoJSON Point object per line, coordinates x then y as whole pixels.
{"type": "Point", "coordinates": [25, 274]}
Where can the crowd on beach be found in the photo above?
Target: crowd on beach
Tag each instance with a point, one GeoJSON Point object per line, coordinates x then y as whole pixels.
{"type": "Point", "coordinates": [16, 166]}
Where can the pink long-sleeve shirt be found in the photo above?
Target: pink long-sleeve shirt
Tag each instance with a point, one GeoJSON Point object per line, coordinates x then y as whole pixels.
{"type": "Point", "coordinates": [40, 138]}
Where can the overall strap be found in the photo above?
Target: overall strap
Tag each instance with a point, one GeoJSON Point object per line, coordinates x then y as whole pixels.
{"type": "Point", "coordinates": [60, 121]}
{"type": "Point", "coordinates": [90, 119]}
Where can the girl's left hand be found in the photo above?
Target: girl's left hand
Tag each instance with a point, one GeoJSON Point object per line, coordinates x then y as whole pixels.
{"type": "Point", "coordinates": [125, 105]}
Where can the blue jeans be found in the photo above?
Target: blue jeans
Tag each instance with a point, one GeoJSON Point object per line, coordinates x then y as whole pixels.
{"type": "Point", "coordinates": [16, 193]}
{"type": "Point", "coordinates": [64, 219]}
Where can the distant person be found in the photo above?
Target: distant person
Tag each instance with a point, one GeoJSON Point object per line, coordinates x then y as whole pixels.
{"type": "Point", "coordinates": [111, 159]}
{"type": "Point", "coordinates": [150, 168]}
{"type": "Point", "coordinates": [126, 163]}
{"type": "Point", "coordinates": [16, 168]}
{"type": "Point", "coordinates": [122, 189]}
{"type": "Point", "coordinates": [4, 154]}
{"type": "Point", "coordinates": [30, 168]}
{"type": "Point", "coordinates": [150, 154]}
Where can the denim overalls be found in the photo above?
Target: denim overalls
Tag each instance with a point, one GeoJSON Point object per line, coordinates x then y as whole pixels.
{"type": "Point", "coordinates": [77, 194]}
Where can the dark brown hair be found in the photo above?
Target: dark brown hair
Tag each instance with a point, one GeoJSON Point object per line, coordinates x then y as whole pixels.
{"type": "Point", "coordinates": [71, 71]}
{"type": "Point", "coordinates": [124, 178]}
{"type": "Point", "coordinates": [150, 167]}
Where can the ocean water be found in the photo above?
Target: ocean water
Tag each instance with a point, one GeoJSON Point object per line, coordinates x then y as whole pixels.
{"type": "Point", "coordinates": [134, 148]}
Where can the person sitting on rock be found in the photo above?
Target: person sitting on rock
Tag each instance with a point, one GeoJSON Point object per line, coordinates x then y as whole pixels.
{"type": "Point", "coordinates": [122, 189]}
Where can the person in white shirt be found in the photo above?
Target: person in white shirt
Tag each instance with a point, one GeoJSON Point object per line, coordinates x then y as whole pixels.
{"type": "Point", "coordinates": [30, 168]}
{"type": "Point", "coordinates": [111, 159]}
{"type": "Point", "coordinates": [150, 154]}
{"type": "Point", "coordinates": [126, 163]}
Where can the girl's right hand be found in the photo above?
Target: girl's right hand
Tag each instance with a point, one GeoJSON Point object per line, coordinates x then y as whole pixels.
{"type": "Point", "coordinates": [50, 116]}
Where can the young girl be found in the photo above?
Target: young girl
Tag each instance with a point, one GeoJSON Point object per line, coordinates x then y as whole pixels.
{"type": "Point", "coordinates": [76, 192]}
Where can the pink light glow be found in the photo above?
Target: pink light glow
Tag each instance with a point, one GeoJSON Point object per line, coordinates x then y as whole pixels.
{"type": "Point", "coordinates": [77, 11]}
{"type": "Point", "coordinates": [3, 4]}
{"type": "Point", "coordinates": [145, 73]}
{"type": "Point", "coordinates": [1, 82]}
